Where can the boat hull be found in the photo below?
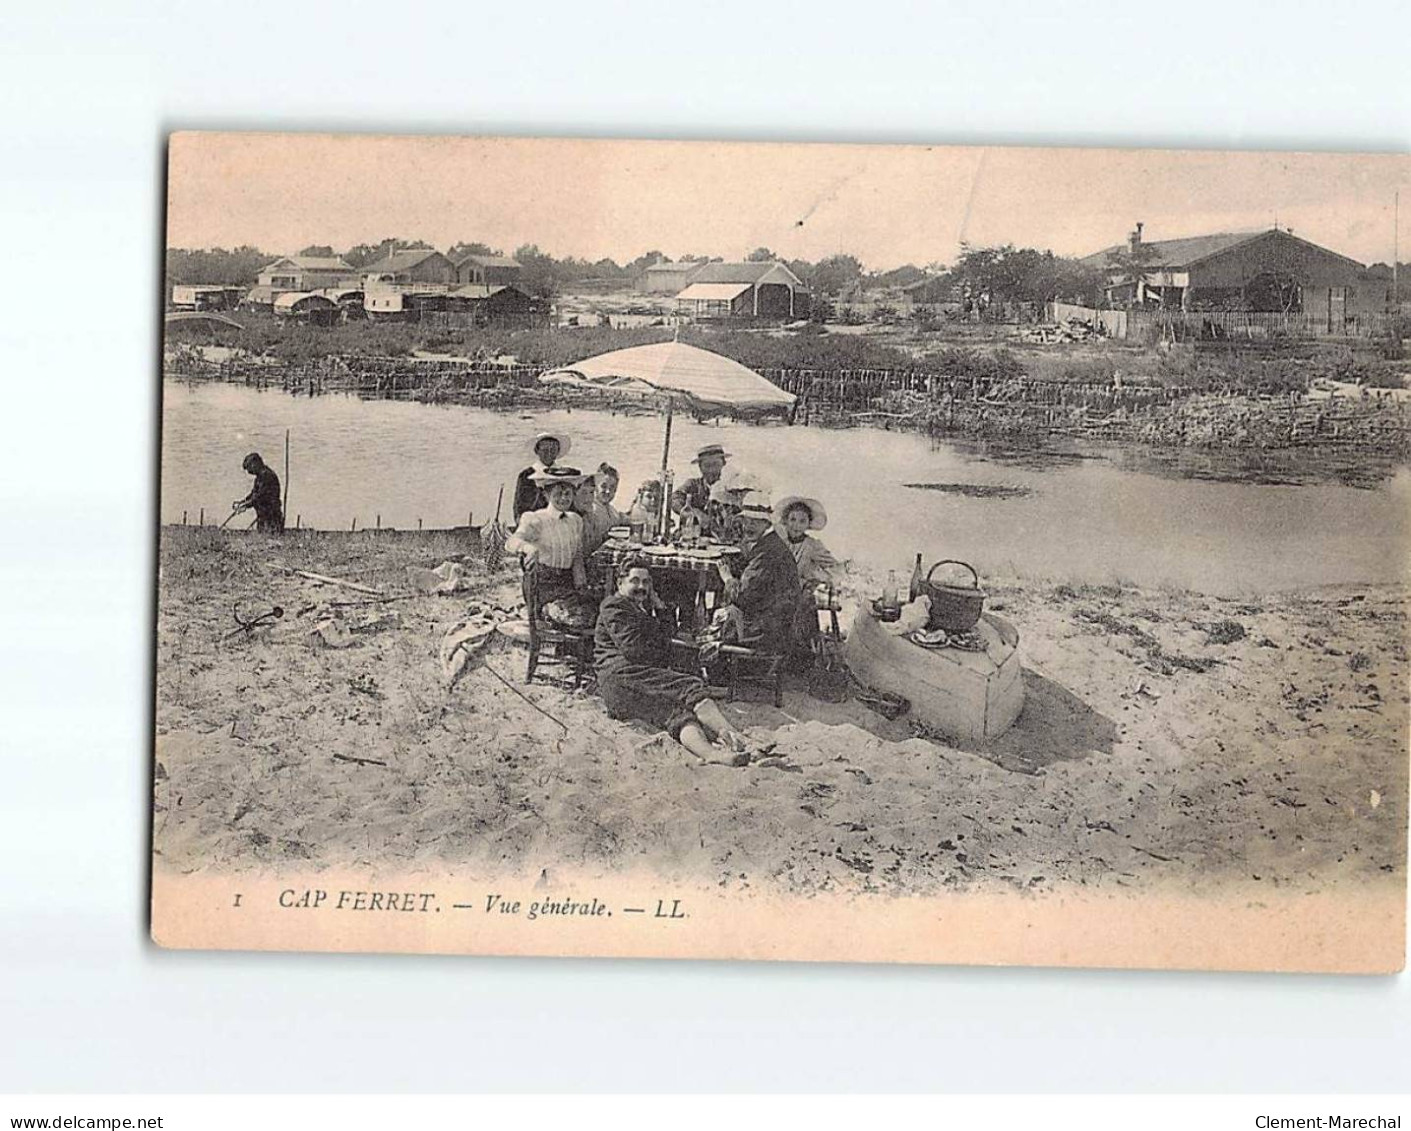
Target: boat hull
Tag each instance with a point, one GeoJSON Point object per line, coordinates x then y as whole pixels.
{"type": "Point", "coordinates": [969, 697]}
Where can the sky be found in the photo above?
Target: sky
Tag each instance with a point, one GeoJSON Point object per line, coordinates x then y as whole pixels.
{"type": "Point", "coordinates": [887, 205]}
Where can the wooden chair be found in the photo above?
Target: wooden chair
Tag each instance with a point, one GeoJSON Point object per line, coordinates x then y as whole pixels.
{"type": "Point", "coordinates": [832, 608]}
{"type": "Point", "coordinates": [750, 667]}
{"type": "Point", "coordinates": [742, 667]}
{"type": "Point", "coordinates": [549, 643]}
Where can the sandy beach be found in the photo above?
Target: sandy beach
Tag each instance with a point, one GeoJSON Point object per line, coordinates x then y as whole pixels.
{"type": "Point", "coordinates": [1168, 738]}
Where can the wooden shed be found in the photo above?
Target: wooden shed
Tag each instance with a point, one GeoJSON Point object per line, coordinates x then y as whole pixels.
{"type": "Point", "coordinates": [303, 306]}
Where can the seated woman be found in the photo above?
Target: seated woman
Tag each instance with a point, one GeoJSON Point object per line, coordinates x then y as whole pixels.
{"type": "Point", "coordinates": [607, 479]}
{"type": "Point", "coordinates": [631, 652]}
{"type": "Point", "coordinates": [593, 501]}
{"type": "Point", "coordinates": [766, 602]}
{"type": "Point", "coordinates": [795, 516]}
{"type": "Point", "coordinates": [550, 541]}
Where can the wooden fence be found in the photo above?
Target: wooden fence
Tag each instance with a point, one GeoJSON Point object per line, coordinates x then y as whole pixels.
{"type": "Point", "coordinates": [973, 405]}
{"type": "Point", "coordinates": [1221, 325]}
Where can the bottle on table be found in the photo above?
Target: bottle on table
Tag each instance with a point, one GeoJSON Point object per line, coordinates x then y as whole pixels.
{"type": "Point", "coordinates": [891, 604]}
{"type": "Point", "coordinates": [917, 576]}
{"type": "Point", "coordinates": [689, 531]}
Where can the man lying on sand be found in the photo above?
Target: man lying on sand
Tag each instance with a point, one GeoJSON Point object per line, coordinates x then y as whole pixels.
{"type": "Point", "coordinates": [631, 646]}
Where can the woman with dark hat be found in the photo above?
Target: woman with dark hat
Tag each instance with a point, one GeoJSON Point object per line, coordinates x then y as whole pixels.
{"type": "Point", "coordinates": [547, 448]}
{"type": "Point", "coordinates": [550, 542]}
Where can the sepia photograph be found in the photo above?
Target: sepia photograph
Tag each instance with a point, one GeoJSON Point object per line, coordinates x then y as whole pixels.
{"type": "Point", "coordinates": [785, 551]}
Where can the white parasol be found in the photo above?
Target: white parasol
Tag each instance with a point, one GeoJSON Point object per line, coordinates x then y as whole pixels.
{"type": "Point", "coordinates": [696, 377]}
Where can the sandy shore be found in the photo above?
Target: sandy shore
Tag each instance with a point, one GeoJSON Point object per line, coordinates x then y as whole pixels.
{"type": "Point", "coordinates": [1168, 738]}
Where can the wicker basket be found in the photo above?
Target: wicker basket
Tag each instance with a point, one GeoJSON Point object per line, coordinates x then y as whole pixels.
{"type": "Point", "coordinates": [955, 608]}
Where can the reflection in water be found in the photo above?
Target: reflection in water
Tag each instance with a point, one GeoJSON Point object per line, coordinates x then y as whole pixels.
{"type": "Point", "coordinates": [1094, 515]}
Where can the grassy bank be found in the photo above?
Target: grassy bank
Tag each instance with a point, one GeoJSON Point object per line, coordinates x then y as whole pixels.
{"type": "Point", "coordinates": [1225, 401]}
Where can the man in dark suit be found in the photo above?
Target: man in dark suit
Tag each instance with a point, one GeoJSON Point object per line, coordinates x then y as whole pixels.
{"type": "Point", "coordinates": [767, 599]}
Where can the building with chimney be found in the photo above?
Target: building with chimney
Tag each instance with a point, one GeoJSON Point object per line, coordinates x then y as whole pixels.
{"type": "Point", "coordinates": [1271, 271]}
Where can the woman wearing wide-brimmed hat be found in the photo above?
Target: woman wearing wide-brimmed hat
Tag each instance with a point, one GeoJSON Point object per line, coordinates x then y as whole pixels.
{"type": "Point", "coordinates": [547, 447]}
{"type": "Point", "coordinates": [550, 542]}
{"type": "Point", "coordinates": [795, 516]}
{"type": "Point", "coordinates": [695, 492]}
{"type": "Point", "coordinates": [769, 604]}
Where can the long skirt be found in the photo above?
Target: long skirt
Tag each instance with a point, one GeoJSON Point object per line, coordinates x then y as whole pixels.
{"type": "Point", "coordinates": [562, 604]}
{"type": "Point", "coordinates": [659, 696]}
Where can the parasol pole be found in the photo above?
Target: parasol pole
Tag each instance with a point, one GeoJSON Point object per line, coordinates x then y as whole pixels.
{"type": "Point", "coordinates": [665, 457]}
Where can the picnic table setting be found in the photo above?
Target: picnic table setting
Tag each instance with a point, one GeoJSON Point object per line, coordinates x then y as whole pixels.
{"type": "Point", "coordinates": [698, 556]}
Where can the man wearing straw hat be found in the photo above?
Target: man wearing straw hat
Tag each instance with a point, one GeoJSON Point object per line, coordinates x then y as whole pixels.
{"type": "Point", "coordinates": [550, 540]}
{"type": "Point", "coordinates": [547, 448]}
{"type": "Point", "coordinates": [695, 492]}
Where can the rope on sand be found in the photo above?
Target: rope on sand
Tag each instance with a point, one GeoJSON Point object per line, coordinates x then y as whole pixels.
{"type": "Point", "coordinates": [557, 722]}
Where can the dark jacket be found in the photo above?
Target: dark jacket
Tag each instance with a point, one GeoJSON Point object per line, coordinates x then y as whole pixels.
{"type": "Point", "coordinates": [264, 498]}
{"type": "Point", "coordinates": [694, 493]}
{"type": "Point", "coordinates": [528, 495]}
{"type": "Point", "coordinates": [627, 633]}
{"type": "Point", "coordinates": [769, 590]}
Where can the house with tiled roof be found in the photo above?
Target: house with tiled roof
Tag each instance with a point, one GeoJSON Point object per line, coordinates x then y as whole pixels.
{"type": "Point", "coordinates": [668, 278]}
{"type": "Point", "coordinates": [1270, 271]}
{"type": "Point", "coordinates": [408, 267]}
{"type": "Point", "coordinates": [744, 290]}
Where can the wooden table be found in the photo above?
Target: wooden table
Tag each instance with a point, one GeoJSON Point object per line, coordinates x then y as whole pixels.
{"type": "Point", "coordinates": [698, 565]}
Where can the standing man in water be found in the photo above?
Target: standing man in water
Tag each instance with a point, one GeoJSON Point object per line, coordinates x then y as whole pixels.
{"type": "Point", "coordinates": [263, 496]}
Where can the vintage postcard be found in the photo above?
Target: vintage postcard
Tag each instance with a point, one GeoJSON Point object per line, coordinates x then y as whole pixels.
{"type": "Point", "coordinates": [803, 552]}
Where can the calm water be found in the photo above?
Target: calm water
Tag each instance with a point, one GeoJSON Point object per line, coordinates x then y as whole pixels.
{"type": "Point", "coordinates": [1090, 519]}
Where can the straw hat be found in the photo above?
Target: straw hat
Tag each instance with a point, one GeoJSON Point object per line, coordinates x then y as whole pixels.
{"type": "Point", "coordinates": [818, 517]}
{"type": "Point", "coordinates": [711, 450]}
{"type": "Point", "coordinates": [556, 474]}
{"type": "Point", "coordinates": [565, 443]}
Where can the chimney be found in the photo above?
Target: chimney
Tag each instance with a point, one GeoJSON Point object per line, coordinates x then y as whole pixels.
{"type": "Point", "coordinates": [1134, 240]}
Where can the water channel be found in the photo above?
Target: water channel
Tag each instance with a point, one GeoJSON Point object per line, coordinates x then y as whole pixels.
{"type": "Point", "coordinates": [1094, 515]}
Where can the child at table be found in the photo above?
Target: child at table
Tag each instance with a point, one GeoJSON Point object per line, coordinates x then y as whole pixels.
{"type": "Point", "coordinates": [646, 510]}
{"type": "Point", "coordinates": [795, 516]}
